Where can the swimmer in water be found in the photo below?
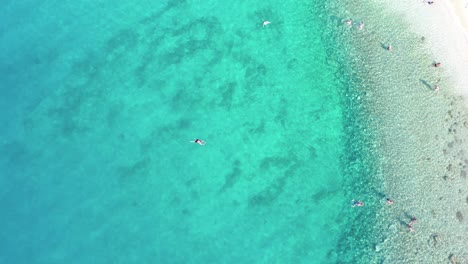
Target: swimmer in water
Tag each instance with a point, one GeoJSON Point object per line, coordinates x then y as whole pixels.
{"type": "Point", "coordinates": [389, 201]}
{"type": "Point", "coordinates": [389, 48]}
{"type": "Point", "coordinates": [349, 22]}
{"type": "Point", "coordinates": [357, 203]}
{"type": "Point", "coordinates": [199, 142]}
{"type": "Point", "coordinates": [437, 65]}
{"type": "Point", "coordinates": [361, 25]}
{"type": "Point", "coordinates": [436, 88]}
{"type": "Point", "coordinates": [265, 23]}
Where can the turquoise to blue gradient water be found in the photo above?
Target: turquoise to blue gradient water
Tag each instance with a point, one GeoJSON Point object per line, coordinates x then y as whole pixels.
{"type": "Point", "coordinates": [99, 103]}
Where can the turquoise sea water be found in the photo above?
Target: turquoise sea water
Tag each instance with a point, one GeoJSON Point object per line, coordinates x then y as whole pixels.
{"type": "Point", "coordinates": [99, 103]}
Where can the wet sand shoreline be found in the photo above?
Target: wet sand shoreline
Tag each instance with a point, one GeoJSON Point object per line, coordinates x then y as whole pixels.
{"type": "Point", "coordinates": [427, 172]}
{"type": "Point", "coordinates": [421, 135]}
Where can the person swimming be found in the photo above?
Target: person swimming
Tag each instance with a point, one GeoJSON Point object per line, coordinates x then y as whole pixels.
{"type": "Point", "coordinates": [437, 65]}
{"type": "Point", "coordinates": [361, 25]}
{"type": "Point", "coordinates": [357, 203]}
{"type": "Point", "coordinates": [389, 48]}
{"type": "Point", "coordinates": [199, 142]}
{"type": "Point", "coordinates": [349, 21]}
{"type": "Point", "coordinates": [265, 23]}
{"type": "Point", "coordinates": [389, 201]}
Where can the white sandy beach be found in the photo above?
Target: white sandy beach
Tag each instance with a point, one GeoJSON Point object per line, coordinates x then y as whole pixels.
{"type": "Point", "coordinates": [445, 25]}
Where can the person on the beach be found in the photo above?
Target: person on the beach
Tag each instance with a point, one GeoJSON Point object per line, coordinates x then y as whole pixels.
{"type": "Point", "coordinates": [389, 48]}
{"type": "Point", "coordinates": [389, 201]}
{"type": "Point", "coordinates": [199, 142]}
{"type": "Point", "coordinates": [430, 2]}
{"type": "Point", "coordinates": [361, 25]}
{"type": "Point", "coordinates": [265, 23]}
{"type": "Point", "coordinates": [437, 64]}
{"type": "Point", "coordinates": [349, 22]}
{"type": "Point", "coordinates": [357, 203]}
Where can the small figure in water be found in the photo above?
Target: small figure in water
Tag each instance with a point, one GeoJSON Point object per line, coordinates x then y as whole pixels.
{"type": "Point", "coordinates": [265, 23]}
{"type": "Point", "coordinates": [436, 88]}
{"type": "Point", "coordinates": [389, 201]}
{"type": "Point", "coordinates": [361, 25]}
{"type": "Point", "coordinates": [410, 227]}
{"type": "Point", "coordinates": [389, 48]}
{"type": "Point", "coordinates": [199, 142]}
{"type": "Point", "coordinates": [437, 65]}
{"type": "Point", "coordinates": [357, 203]}
{"type": "Point", "coordinates": [412, 221]}
{"type": "Point", "coordinates": [349, 22]}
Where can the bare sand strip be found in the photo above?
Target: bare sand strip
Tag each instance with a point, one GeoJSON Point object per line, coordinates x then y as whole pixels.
{"type": "Point", "coordinates": [445, 25]}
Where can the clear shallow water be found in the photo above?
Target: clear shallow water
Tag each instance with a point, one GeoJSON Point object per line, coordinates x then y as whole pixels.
{"type": "Point", "coordinates": [414, 140]}
{"type": "Point", "coordinates": [101, 101]}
